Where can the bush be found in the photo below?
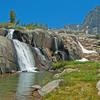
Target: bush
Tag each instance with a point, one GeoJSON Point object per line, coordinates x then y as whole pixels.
{"type": "Point", "coordinates": [97, 36]}
{"type": "Point", "coordinates": [59, 65]}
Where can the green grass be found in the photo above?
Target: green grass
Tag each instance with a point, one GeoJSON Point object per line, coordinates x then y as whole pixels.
{"type": "Point", "coordinates": [7, 25]}
{"type": "Point", "coordinates": [77, 85]}
{"type": "Point", "coordinates": [23, 27]}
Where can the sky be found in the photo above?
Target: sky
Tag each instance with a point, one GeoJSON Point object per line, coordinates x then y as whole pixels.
{"type": "Point", "coordinates": [55, 13]}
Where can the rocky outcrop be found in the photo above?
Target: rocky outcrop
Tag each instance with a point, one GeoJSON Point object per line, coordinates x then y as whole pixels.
{"type": "Point", "coordinates": [41, 91]}
{"type": "Point", "coordinates": [90, 42]}
{"type": "Point", "coordinates": [74, 27]}
{"type": "Point", "coordinates": [8, 59]}
{"type": "Point", "coordinates": [41, 64]}
{"type": "Point", "coordinates": [19, 35]}
{"type": "Point", "coordinates": [71, 47]}
{"type": "Point", "coordinates": [3, 32]}
{"type": "Point", "coordinates": [54, 45]}
{"type": "Point", "coordinates": [68, 48]}
{"type": "Point", "coordinates": [91, 23]}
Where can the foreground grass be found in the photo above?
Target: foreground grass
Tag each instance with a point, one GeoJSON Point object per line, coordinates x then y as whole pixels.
{"type": "Point", "coordinates": [77, 85]}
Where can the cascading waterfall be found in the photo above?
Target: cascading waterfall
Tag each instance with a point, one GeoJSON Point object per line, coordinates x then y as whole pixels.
{"type": "Point", "coordinates": [10, 34]}
{"type": "Point", "coordinates": [85, 50]}
{"type": "Point", "coordinates": [56, 44]}
{"type": "Point", "coordinates": [24, 54]}
{"type": "Point", "coordinates": [40, 54]}
{"type": "Point", "coordinates": [25, 58]}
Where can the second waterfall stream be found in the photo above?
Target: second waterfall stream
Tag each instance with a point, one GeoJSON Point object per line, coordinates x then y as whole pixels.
{"type": "Point", "coordinates": [25, 58]}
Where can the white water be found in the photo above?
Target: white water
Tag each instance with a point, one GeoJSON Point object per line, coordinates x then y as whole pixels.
{"type": "Point", "coordinates": [56, 44]}
{"type": "Point", "coordinates": [25, 58]}
{"type": "Point", "coordinates": [40, 54]}
{"type": "Point", "coordinates": [85, 50]}
{"type": "Point", "coordinates": [10, 34]}
{"type": "Point", "coordinates": [82, 60]}
{"type": "Point", "coordinates": [24, 54]}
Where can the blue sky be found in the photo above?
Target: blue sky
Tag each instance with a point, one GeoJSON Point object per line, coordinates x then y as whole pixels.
{"type": "Point", "coordinates": [55, 13]}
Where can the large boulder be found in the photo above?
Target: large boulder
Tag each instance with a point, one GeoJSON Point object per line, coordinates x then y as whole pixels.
{"type": "Point", "coordinates": [3, 32]}
{"type": "Point", "coordinates": [21, 36]}
{"type": "Point", "coordinates": [47, 88]}
{"type": "Point", "coordinates": [8, 58]}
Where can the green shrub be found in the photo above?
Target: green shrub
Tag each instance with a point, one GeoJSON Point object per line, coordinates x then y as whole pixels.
{"type": "Point", "coordinates": [59, 65]}
{"type": "Point", "coordinates": [97, 36]}
{"type": "Point", "coordinates": [7, 25]}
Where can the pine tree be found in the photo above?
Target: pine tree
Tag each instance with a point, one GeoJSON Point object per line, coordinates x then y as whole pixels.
{"type": "Point", "coordinates": [12, 17]}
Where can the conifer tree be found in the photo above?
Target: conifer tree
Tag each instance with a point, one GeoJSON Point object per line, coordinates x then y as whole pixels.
{"type": "Point", "coordinates": [12, 17]}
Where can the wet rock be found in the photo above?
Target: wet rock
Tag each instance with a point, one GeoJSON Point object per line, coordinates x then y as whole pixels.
{"type": "Point", "coordinates": [8, 58]}
{"type": "Point", "coordinates": [23, 37]}
{"type": "Point", "coordinates": [36, 87]}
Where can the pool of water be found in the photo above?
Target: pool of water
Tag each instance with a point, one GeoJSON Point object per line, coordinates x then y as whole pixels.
{"type": "Point", "coordinates": [17, 87]}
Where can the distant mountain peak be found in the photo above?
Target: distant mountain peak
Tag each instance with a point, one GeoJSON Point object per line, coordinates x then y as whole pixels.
{"type": "Point", "coordinates": [91, 24]}
{"type": "Point", "coordinates": [97, 7]}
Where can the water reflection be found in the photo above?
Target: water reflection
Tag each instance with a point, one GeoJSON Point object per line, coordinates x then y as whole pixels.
{"type": "Point", "coordinates": [26, 80]}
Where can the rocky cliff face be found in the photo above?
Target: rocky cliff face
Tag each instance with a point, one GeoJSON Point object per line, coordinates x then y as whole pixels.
{"type": "Point", "coordinates": [53, 45]}
{"type": "Point", "coordinates": [91, 23]}
{"type": "Point", "coordinates": [8, 58]}
{"type": "Point", "coordinates": [67, 46]}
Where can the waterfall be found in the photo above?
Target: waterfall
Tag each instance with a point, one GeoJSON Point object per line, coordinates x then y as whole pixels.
{"type": "Point", "coordinates": [10, 34]}
{"type": "Point", "coordinates": [56, 44]}
{"type": "Point", "coordinates": [25, 58]}
{"type": "Point", "coordinates": [85, 50]}
{"type": "Point", "coordinates": [24, 54]}
{"type": "Point", "coordinates": [40, 54]}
